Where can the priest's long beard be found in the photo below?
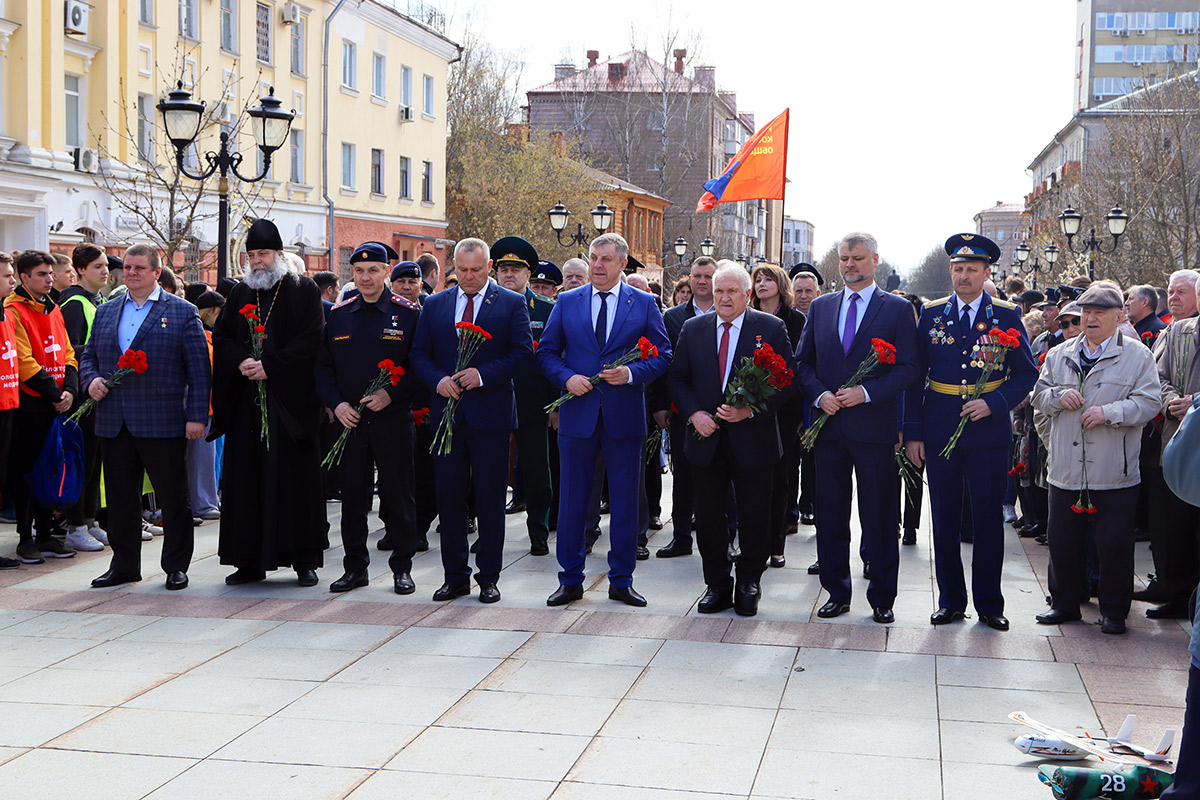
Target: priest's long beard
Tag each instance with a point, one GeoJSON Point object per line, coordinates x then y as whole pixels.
{"type": "Point", "coordinates": [262, 277]}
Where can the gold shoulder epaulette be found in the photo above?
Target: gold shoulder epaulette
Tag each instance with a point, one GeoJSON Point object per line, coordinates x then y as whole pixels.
{"type": "Point", "coordinates": [938, 302]}
{"type": "Point", "coordinates": [1003, 303]}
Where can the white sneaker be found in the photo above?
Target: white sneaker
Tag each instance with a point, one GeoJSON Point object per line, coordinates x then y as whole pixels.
{"type": "Point", "coordinates": [78, 538]}
{"type": "Point", "coordinates": [99, 534]}
{"type": "Point", "coordinates": [1010, 514]}
{"type": "Point", "coordinates": [150, 531]}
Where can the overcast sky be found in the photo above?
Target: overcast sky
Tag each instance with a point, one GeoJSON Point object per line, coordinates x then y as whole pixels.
{"type": "Point", "coordinates": [907, 118]}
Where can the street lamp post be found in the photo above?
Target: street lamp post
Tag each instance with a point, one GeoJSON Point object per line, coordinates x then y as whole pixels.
{"type": "Point", "coordinates": [1071, 221]}
{"type": "Point", "coordinates": [602, 217]}
{"type": "Point", "coordinates": [1022, 253]}
{"type": "Point", "coordinates": [268, 122]}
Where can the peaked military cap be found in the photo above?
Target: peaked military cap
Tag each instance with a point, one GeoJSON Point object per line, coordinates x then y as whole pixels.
{"type": "Point", "coordinates": [406, 269]}
{"type": "Point", "coordinates": [515, 250]}
{"type": "Point", "coordinates": [374, 251]}
{"type": "Point", "coordinates": [547, 272]}
{"type": "Point", "coordinates": [972, 247]}
{"type": "Point", "coordinates": [807, 269]}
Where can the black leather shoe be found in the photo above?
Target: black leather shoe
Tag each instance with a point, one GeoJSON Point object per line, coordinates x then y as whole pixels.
{"type": "Point", "coordinates": [910, 536]}
{"type": "Point", "coordinates": [715, 600]}
{"type": "Point", "coordinates": [306, 577]}
{"type": "Point", "coordinates": [245, 576]}
{"type": "Point", "coordinates": [565, 594]}
{"type": "Point", "coordinates": [627, 595]}
{"type": "Point", "coordinates": [177, 580]}
{"type": "Point", "coordinates": [514, 507]}
{"type": "Point", "coordinates": [944, 616]}
{"type": "Point", "coordinates": [745, 599]}
{"type": "Point", "coordinates": [814, 568]}
{"type": "Point", "coordinates": [884, 616]}
{"type": "Point", "coordinates": [1056, 617]}
{"type": "Point", "coordinates": [114, 578]}
{"type": "Point", "coordinates": [1031, 533]}
{"type": "Point", "coordinates": [808, 519]}
{"type": "Point", "coordinates": [402, 582]}
{"type": "Point", "coordinates": [603, 506]}
{"type": "Point", "coordinates": [423, 544]}
{"type": "Point", "coordinates": [351, 580]}
{"type": "Point", "coordinates": [1173, 609]}
{"type": "Point", "coordinates": [1154, 592]}
{"type": "Point", "coordinates": [471, 525]}
{"type": "Point", "coordinates": [1041, 540]}
{"type": "Point", "coordinates": [997, 622]}
{"type": "Point", "coordinates": [777, 562]}
{"type": "Point", "coordinates": [449, 591]}
{"type": "Point", "coordinates": [1112, 625]}
{"type": "Point", "coordinates": [643, 552]}
{"type": "Point", "coordinates": [538, 547]}
{"type": "Point", "coordinates": [656, 524]}
{"type": "Point", "coordinates": [474, 546]}
{"type": "Point", "coordinates": [832, 609]}
{"type": "Point", "coordinates": [733, 552]}
{"type": "Point", "coordinates": [489, 593]}
{"type": "Point", "coordinates": [385, 544]}
{"type": "Point", "coordinates": [677, 547]}
{"type": "Point", "coordinates": [867, 570]}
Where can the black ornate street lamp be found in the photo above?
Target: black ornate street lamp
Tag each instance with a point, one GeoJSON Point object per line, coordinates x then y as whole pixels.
{"type": "Point", "coordinates": [269, 124]}
{"type": "Point", "coordinates": [1022, 253]}
{"type": "Point", "coordinates": [602, 217]}
{"type": "Point", "coordinates": [1071, 221]}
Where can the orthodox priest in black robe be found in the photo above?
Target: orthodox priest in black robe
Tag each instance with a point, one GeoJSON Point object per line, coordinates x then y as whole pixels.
{"type": "Point", "coordinates": [272, 499]}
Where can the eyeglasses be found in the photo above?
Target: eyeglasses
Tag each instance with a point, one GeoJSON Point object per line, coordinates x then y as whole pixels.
{"type": "Point", "coordinates": [1066, 323]}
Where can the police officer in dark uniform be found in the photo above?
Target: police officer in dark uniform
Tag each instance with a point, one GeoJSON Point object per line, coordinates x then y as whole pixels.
{"type": "Point", "coordinates": [363, 331]}
{"type": "Point", "coordinates": [515, 261]}
{"type": "Point", "coordinates": [948, 331]}
{"type": "Point", "coordinates": [546, 279]}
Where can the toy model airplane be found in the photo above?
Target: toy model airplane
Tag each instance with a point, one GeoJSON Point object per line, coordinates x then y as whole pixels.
{"type": "Point", "coordinates": [1056, 744]}
{"type": "Point", "coordinates": [1129, 782]}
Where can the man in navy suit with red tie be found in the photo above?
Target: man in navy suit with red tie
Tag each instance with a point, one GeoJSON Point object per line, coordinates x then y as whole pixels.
{"type": "Point", "coordinates": [590, 328]}
{"type": "Point", "coordinates": [861, 435]}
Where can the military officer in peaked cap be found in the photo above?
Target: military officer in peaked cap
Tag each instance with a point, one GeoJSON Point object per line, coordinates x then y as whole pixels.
{"type": "Point", "coordinates": [516, 262]}
{"type": "Point", "coordinates": [546, 279]}
{"type": "Point", "coordinates": [373, 326]}
{"type": "Point", "coordinates": [947, 333]}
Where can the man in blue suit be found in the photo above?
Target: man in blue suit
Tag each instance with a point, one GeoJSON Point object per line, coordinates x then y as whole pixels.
{"type": "Point", "coordinates": [590, 328]}
{"type": "Point", "coordinates": [946, 335]}
{"type": "Point", "coordinates": [861, 434]}
{"type": "Point", "coordinates": [486, 415]}
{"type": "Point", "coordinates": [146, 420]}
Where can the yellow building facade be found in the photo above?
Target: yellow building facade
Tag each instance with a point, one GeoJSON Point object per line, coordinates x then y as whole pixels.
{"type": "Point", "coordinates": [364, 160]}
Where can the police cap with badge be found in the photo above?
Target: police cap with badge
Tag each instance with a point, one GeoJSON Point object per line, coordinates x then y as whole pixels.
{"type": "Point", "coordinates": [547, 272]}
{"type": "Point", "coordinates": [808, 270]}
{"type": "Point", "coordinates": [972, 247]}
{"type": "Point", "coordinates": [514, 250]}
{"type": "Point", "coordinates": [374, 251]}
{"type": "Point", "coordinates": [406, 269]}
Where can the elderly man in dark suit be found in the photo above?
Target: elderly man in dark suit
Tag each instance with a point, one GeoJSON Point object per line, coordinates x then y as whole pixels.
{"type": "Point", "coordinates": [862, 433]}
{"type": "Point", "coordinates": [733, 445]}
{"type": "Point", "coordinates": [145, 421]}
{"type": "Point", "coordinates": [486, 415]}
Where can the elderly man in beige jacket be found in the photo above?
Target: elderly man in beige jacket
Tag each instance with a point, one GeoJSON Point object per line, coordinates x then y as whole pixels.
{"type": "Point", "coordinates": [1095, 392]}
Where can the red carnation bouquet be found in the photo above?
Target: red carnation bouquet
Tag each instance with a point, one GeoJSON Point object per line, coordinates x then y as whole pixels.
{"type": "Point", "coordinates": [645, 349]}
{"type": "Point", "coordinates": [258, 334]}
{"type": "Point", "coordinates": [130, 361]}
{"type": "Point", "coordinates": [470, 338]}
{"type": "Point", "coordinates": [987, 355]}
{"type": "Point", "coordinates": [882, 352]}
{"type": "Point", "coordinates": [756, 379]}
{"type": "Point", "coordinates": [390, 374]}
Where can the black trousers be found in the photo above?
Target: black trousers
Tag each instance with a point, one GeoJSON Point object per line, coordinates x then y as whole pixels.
{"type": "Point", "coordinates": [910, 516]}
{"type": "Point", "coordinates": [6, 427]}
{"type": "Point", "coordinates": [681, 487]}
{"type": "Point", "coordinates": [31, 425]}
{"type": "Point", "coordinates": [1174, 538]}
{"type": "Point", "coordinates": [784, 482]}
{"type": "Point", "coordinates": [653, 476]}
{"type": "Point", "coordinates": [88, 504]}
{"type": "Point", "coordinates": [808, 480]}
{"type": "Point", "coordinates": [332, 477]}
{"type": "Point", "coordinates": [533, 465]}
{"type": "Point", "coordinates": [125, 458]}
{"type": "Point", "coordinates": [1111, 529]}
{"type": "Point", "coordinates": [424, 481]}
{"type": "Point", "coordinates": [383, 444]}
{"type": "Point", "coordinates": [753, 492]}
{"type": "Point", "coordinates": [477, 460]}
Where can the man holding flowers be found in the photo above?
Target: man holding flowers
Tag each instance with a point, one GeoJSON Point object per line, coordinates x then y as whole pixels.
{"type": "Point", "coordinates": [975, 366]}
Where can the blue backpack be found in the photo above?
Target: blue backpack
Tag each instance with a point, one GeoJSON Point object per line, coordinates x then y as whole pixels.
{"type": "Point", "coordinates": [57, 476]}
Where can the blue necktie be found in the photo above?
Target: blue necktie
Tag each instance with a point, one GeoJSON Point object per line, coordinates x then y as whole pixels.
{"type": "Point", "coordinates": [851, 322]}
{"type": "Point", "coordinates": [966, 320]}
{"type": "Point", "coordinates": [602, 321]}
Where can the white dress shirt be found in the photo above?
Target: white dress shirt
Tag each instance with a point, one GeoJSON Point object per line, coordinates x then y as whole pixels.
{"type": "Point", "coordinates": [610, 307]}
{"type": "Point", "coordinates": [735, 332]}
{"type": "Point", "coordinates": [698, 312]}
{"type": "Point", "coordinates": [460, 303]}
{"type": "Point", "coordinates": [864, 298]}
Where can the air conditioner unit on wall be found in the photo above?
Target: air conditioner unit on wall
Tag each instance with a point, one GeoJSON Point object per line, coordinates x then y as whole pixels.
{"type": "Point", "coordinates": [406, 114]}
{"type": "Point", "coordinates": [75, 17]}
{"type": "Point", "coordinates": [290, 14]}
{"type": "Point", "coordinates": [86, 160]}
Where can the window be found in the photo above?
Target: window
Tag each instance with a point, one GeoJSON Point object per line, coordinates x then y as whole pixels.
{"type": "Point", "coordinates": [427, 108]}
{"type": "Point", "coordinates": [188, 18]}
{"type": "Point", "coordinates": [427, 182]}
{"type": "Point", "coordinates": [262, 32]}
{"type": "Point", "coordinates": [376, 171]}
{"type": "Point", "coordinates": [581, 119]}
{"type": "Point", "coordinates": [405, 178]}
{"type": "Point", "coordinates": [349, 64]}
{"type": "Point", "coordinates": [656, 121]}
{"type": "Point", "coordinates": [347, 166]}
{"type": "Point", "coordinates": [74, 110]}
{"type": "Point", "coordinates": [378, 75]}
{"type": "Point", "coordinates": [297, 46]}
{"type": "Point", "coordinates": [344, 271]}
{"type": "Point", "coordinates": [145, 127]}
{"type": "Point", "coordinates": [406, 86]}
{"type": "Point", "coordinates": [146, 11]}
{"type": "Point", "coordinates": [297, 152]}
{"type": "Point", "coordinates": [229, 25]}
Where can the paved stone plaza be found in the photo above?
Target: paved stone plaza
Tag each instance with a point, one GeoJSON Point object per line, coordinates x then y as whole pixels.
{"type": "Point", "coordinates": [271, 690]}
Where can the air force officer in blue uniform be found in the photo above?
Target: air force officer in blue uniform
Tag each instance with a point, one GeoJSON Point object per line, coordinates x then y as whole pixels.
{"type": "Point", "coordinates": [948, 330]}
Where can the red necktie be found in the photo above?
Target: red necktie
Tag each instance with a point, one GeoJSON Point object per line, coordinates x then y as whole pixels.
{"type": "Point", "coordinates": [469, 311]}
{"type": "Point", "coordinates": [723, 350]}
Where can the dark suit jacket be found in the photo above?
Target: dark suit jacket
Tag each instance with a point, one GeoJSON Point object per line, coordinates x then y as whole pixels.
{"type": "Point", "coordinates": [174, 389]}
{"type": "Point", "coordinates": [695, 385]}
{"type": "Point", "coordinates": [674, 318]}
{"type": "Point", "coordinates": [821, 366]}
{"type": "Point", "coordinates": [500, 312]}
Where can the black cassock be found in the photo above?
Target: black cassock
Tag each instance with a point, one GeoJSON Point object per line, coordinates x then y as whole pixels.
{"type": "Point", "coordinates": [272, 499]}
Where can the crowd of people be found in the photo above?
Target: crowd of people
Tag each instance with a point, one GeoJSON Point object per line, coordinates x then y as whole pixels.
{"type": "Point", "coordinates": [439, 389]}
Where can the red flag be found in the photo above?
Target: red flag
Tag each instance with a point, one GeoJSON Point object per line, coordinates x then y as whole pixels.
{"type": "Point", "coordinates": [757, 172]}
